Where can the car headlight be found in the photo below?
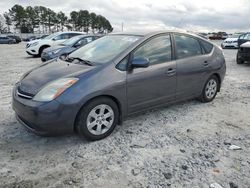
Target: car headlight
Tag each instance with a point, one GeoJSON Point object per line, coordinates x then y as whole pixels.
{"type": "Point", "coordinates": [34, 44]}
{"type": "Point", "coordinates": [54, 89]}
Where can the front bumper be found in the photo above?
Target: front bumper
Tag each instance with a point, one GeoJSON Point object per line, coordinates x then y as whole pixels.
{"type": "Point", "coordinates": [32, 51]}
{"type": "Point", "coordinates": [229, 45]}
{"type": "Point", "coordinates": [243, 56]}
{"type": "Point", "coordinates": [43, 118]}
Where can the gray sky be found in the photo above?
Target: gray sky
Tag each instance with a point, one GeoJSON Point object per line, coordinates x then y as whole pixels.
{"type": "Point", "coordinates": [196, 15]}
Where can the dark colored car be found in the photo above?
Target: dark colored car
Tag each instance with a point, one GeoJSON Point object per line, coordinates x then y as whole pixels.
{"type": "Point", "coordinates": [17, 38]}
{"type": "Point", "coordinates": [243, 38]}
{"type": "Point", "coordinates": [243, 54]}
{"type": "Point", "coordinates": [113, 77]}
{"type": "Point", "coordinates": [42, 37]}
{"type": "Point", "coordinates": [7, 40]}
{"type": "Point", "coordinates": [67, 47]}
{"type": "Point", "coordinates": [29, 38]}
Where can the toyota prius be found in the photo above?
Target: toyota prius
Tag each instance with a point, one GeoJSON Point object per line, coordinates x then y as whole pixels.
{"type": "Point", "coordinates": [97, 86]}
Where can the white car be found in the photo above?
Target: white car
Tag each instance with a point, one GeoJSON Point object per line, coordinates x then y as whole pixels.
{"type": "Point", "coordinates": [231, 42]}
{"type": "Point", "coordinates": [36, 47]}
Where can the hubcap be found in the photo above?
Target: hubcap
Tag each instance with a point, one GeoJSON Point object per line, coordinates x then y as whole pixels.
{"type": "Point", "coordinates": [100, 119]}
{"type": "Point", "coordinates": [211, 88]}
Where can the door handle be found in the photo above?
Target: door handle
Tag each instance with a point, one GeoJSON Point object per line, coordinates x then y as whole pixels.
{"type": "Point", "coordinates": [170, 72]}
{"type": "Point", "coordinates": [205, 63]}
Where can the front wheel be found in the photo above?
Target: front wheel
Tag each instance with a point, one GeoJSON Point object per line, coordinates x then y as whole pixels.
{"type": "Point", "coordinates": [210, 89]}
{"type": "Point", "coordinates": [238, 60]}
{"type": "Point", "coordinates": [97, 119]}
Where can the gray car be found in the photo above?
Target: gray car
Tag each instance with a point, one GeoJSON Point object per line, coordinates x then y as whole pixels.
{"type": "Point", "coordinates": [115, 76]}
{"type": "Point", "coordinates": [7, 40]}
{"type": "Point", "coordinates": [67, 47]}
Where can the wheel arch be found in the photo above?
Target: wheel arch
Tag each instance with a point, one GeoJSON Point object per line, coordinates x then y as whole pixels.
{"type": "Point", "coordinates": [219, 79]}
{"type": "Point", "coordinates": [118, 103]}
{"type": "Point", "coordinates": [43, 47]}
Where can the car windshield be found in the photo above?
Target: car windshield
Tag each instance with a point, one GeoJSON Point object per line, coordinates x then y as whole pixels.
{"type": "Point", "coordinates": [51, 36]}
{"type": "Point", "coordinates": [235, 36]}
{"type": "Point", "coordinates": [72, 40]}
{"type": "Point", "coordinates": [105, 49]}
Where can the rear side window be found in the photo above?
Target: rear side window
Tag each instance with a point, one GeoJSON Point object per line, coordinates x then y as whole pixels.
{"type": "Point", "coordinates": [187, 46]}
{"type": "Point", "coordinates": [206, 46]}
{"type": "Point", "coordinates": [73, 34]}
{"type": "Point", "coordinates": [157, 50]}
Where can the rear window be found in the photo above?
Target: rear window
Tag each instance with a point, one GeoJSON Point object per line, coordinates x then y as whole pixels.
{"type": "Point", "coordinates": [206, 46]}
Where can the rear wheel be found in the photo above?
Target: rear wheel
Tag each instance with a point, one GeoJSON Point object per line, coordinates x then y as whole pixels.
{"type": "Point", "coordinates": [238, 60]}
{"type": "Point", "coordinates": [97, 119]}
{"type": "Point", "coordinates": [210, 89]}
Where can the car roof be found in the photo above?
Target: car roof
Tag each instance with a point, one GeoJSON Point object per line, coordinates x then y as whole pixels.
{"type": "Point", "coordinates": [152, 33]}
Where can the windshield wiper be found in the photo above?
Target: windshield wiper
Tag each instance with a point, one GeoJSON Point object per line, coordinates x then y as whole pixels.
{"type": "Point", "coordinates": [71, 59]}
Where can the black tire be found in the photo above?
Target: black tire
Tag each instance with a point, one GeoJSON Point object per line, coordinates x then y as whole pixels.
{"type": "Point", "coordinates": [238, 60]}
{"type": "Point", "coordinates": [81, 120]}
{"type": "Point", "coordinates": [204, 98]}
{"type": "Point", "coordinates": [41, 50]}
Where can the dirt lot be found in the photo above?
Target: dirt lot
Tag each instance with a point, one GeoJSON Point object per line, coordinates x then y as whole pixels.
{"type": "Point", "coordinates": [183, 145]}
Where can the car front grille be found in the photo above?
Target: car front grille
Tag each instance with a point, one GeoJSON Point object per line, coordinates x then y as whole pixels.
{"type": "Point", "coordinates": [27, 45]}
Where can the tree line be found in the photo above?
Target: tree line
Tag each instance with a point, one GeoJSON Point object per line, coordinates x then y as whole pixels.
{"type": "Point", "coordinates": [43, 19]}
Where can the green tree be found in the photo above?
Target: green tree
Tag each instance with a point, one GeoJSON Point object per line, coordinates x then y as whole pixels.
{"type": "Point", "coordinates": [83, 20]}
{"type": "Point", "coordinates": [18, 15]}
{"type": "Point", "coordinates": [62, 19]}
{"type": "Point", "coordinates": [92, 21]}
{"type": "Point", "coordinates": [74, 19]}
{"type": "Point", "coordinates": [32, 18]}
{"type": "Point", "coordinates": [8, 21]}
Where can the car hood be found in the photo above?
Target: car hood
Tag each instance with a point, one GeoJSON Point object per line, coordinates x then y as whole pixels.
{"type": "Point", "coordinates": [245, 45]}
{"type": "Point", "coordinates": [231, 39]}
{"type": "Point", "coordinates": [34, 80]}
{"type": "Point", "coordinates": [57, 47]}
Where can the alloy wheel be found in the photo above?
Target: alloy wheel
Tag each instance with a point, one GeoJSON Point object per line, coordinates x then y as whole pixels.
{"type": "Point", "coordinates": [100, 119]}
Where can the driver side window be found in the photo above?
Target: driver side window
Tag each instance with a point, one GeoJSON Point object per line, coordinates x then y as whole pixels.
{"type": "Point", "coordinates": [157, 50]}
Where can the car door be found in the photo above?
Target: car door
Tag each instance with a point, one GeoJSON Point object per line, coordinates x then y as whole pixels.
{"type": "Point", "coordinates": [192, 66]}
{"type": "Point", "coordinates": [156, 84]}
{"type": "Point", "coordinates": [243, 38]}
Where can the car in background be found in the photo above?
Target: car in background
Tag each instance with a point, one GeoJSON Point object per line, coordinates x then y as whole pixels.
{"type": "Point", "coordinates": [17, 38]}
{"type": "Point", "coordinates": [68, 46]}
{"type": "Point", "coordinates": [231, 42]}
{"type": "Point", "coordinates": [243, 38]}
{"type": "Point", "coordinates": [111, 78]}
{"type": "Point", "coordinates": [7, 40]}
{"type": "Point", "coordinates": [42, 37]}
{"type": "Point", "coordinates": [36, 47]}
{"type": "Point", "coordinates": [243, 53]}
{"type": "Point", "coordinates": [203, 35]}
{"type": "Point", "coordinates": [30, 38]}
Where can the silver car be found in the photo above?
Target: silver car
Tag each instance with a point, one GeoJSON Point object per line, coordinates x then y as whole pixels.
{"type": "Point", "coordinates": [115, 76]}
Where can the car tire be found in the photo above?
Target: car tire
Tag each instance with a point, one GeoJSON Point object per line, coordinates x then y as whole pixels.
{"type": "Point", "coordinates": [238, 60]}
{"type": "Point", "coordinates": [210, 89]}
{"type": "Point", "coordinates": [97, 119]}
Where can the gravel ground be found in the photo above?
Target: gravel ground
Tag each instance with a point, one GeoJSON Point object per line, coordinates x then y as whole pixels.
{"type": "Point", "coordinates": [183, 145]}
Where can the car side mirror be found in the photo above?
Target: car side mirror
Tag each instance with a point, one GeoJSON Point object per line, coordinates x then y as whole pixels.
{"type": "Point", "coordinates": [140, 63]}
